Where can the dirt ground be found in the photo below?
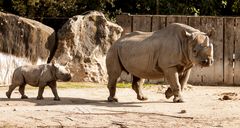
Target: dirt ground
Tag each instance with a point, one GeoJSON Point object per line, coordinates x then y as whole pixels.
{"type": "Point", "coordinates": [204, 107]}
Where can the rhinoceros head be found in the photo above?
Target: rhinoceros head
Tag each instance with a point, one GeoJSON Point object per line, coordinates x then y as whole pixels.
{"type": "Point", "coordinates": [201, 51]}
{"type": "Point", "coordinates": [62, 73]}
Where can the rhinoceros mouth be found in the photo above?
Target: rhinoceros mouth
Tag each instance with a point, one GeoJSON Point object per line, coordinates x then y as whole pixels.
{"type": "Point", "coordinates": [207, 62]}
{"type": "Point", "coordinates": [66, 78]}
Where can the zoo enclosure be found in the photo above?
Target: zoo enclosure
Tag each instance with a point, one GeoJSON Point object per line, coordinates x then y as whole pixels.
{"type": "Point", "coordinates": [226, 42]}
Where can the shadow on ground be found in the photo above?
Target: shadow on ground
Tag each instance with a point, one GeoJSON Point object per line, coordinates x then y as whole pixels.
{"type": "Point", "coordinates": [47, 101]}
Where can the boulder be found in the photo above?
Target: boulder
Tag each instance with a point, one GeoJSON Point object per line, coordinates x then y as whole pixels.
{"type": "Point", "coordinates": [83, 42]}
{"type": "Point", "coordinates": [22, 41]}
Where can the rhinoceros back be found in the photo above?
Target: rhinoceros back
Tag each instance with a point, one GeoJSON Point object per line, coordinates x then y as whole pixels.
{"type": "Point", "coordinates": [138, 56]}
{"type": "Point", "coordinates": [32, 75]}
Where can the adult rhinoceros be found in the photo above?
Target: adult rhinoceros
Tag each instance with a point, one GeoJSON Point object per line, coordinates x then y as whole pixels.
{"type": "Point", "coordinates": [169, 52]}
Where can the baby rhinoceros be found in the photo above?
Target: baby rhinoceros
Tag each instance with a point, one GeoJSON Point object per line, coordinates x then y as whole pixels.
{"type": "Point", "coordinates": [38, 76]}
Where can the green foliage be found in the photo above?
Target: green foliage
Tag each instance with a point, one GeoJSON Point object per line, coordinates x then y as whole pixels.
{"type": "Point", "coordinates": [44, 8]}
{"type": "Point", "coordinates": [76, 85]}
{"type": "Point", "coordinates": [236, 7]}
{"type": "Point", "coordinates": [124, 85]}
{"type": "Point", "coordinates": [79, 85]}
{"type": "Point", "coordinates": [129, 85]}
{"type": "Point", "coordinates": [69, 8]}
{"type": "Point", "coordinates": [1, 5]}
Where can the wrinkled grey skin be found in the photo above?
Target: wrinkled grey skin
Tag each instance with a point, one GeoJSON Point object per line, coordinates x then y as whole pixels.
{"type": "Point", "coordinates": [38, 76]}
{"type": "Point", "coordinates": [169, 52]}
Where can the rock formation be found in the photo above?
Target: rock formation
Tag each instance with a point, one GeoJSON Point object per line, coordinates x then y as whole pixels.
{"type": "Point", "coordinates": [22, 41]}
{"type": "Point", "coordinates": [83, 42]}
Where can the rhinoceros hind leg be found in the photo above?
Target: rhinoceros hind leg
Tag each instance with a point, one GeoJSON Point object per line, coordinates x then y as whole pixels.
{"type": "Point", "coordinates": [114, 70]}
{"type": "Point", "coordinates": [137, 87]}
{"type": "Point", "coordinates": [112, 90]}
{"type": "Point", "coordinates": [11, 88]}
{"type": "Point", "coordinates": [112, 81]}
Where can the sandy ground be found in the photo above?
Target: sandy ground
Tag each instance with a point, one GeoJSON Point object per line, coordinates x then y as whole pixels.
{"type": "Point", "coordinates": [204, 107]}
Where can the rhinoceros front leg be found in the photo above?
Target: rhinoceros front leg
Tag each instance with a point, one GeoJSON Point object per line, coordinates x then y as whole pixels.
{"type": "Point", "coordinates": [53, 86]}
{"type": "Point", "coordinates": [175, 86]}
{"type": "Point", "coordinates": [22, 91]}
{"type": "Point", "coordinates": [137, 87]}
{"type": "Point", "coordinates": [184, 78]}
{"type": "Point", "coordinates": [40, 92]}
{"type": "Point", "coordinates": [168, 93]}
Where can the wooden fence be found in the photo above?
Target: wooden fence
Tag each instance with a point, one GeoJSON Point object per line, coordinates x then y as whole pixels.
{"type": "Point", "coordinates": [226, 42]}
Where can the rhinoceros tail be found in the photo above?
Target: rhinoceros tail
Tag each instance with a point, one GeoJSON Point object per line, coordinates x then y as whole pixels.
{"type": "Point", "coordinates": [113, 62]}
{"type": "Point", "coordinates": [120, 62]}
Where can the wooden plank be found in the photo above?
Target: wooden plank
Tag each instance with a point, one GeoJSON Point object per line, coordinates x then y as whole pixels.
{"type": "Point", "coordinates": [158, 22]}
{"type": "Point", "coordinates": [142, 23]}
{"type": "Point", "coordinates": [228, 50]}
{"type": "Point", "coordinates": [214, 74]}
{"type": "Point", "coordinates": [125, 21]}
{"type": "Point", "coordinates": [196, 72]}
{"type": "Point", "coordinates": [177, 19]}
{"type": "Point", "coordinates": [237, 53]}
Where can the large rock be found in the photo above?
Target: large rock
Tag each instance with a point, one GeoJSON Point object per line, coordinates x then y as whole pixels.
{"type": "Point", "coordinates": [22, 41]}
{"type": "Point", "coordinates": [83, 42]}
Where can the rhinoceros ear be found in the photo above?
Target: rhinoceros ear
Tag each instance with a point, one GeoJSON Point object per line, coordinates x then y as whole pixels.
{"type": "Point", "coordinates": [67, 64]}
{"type": "Point", "coordinates": [211, 32]}
{"type": "Point", "coordinates": [186, 34]}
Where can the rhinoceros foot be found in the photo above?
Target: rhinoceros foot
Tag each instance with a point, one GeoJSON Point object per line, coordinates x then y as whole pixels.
{"type": "Point", "coordinates": [40, 98]}
{"type": "Point", "coordinates": [8, 95]}
{"type": "Point", "coordinates": [168, 93]}
{"type": "Point", "coordinates": [56, 99]}
{"type": "Point", "coordinates": [178, 99]}
{"type": "Point", "coordinates": [24, 97]}
{"type": "Point", "coordinates": [112, 99]}
{"type": "Point", "coordinates": [142, 98]}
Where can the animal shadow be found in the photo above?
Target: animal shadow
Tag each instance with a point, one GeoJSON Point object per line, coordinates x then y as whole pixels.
{"type": "Point", "coordinates": [48, 101]}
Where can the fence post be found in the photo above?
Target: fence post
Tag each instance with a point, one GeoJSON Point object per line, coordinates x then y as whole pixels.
{"type": "Point", "coordinates": [214, 74]}
{"type": "Point", "coordinates": [142, 23]}
{"type": "Point", "coordinates": [196, 72]}
{"type": "Point", "coordinates": [237, 53]}
{"type": "Point", "coordinates": [228, 50]}
{"type": "Point", "coordinates": [176, 19]}
{"type": "Point", "coordinates": [158, 22]}
{"type": "Point", "coordinates": [125, 21]}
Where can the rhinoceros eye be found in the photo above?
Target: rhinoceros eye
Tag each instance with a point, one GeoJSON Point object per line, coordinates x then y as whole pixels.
{"type": "Point", "coordinates": [195, 52]}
